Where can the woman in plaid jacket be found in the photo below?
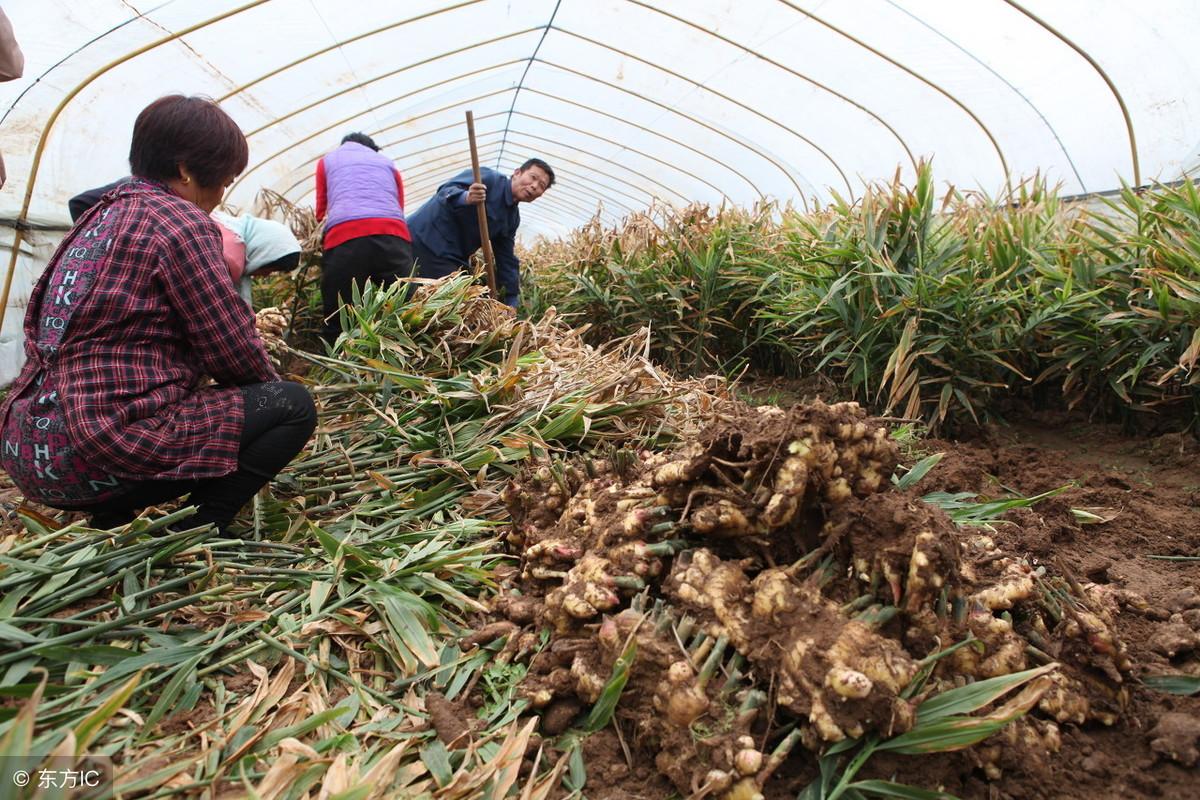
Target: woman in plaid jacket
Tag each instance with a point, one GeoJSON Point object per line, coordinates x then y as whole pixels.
{"type": "Point", "coordinates": [135, 309]}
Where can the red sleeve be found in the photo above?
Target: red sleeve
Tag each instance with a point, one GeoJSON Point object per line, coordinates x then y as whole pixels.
{"type": "Point", "coordinates": [321, 189]}
{"type": "Point", "coordinates": [234, 251]}
{"type": "Point", "coordinates": [400, 190]}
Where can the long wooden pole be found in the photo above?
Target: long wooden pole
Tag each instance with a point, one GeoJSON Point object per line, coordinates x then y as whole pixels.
{"type": "Point", "coordinates": [489, 258]}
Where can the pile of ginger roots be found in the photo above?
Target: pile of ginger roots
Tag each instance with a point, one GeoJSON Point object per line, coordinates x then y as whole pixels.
{"type": "Point", "coordinates": [777, 594]}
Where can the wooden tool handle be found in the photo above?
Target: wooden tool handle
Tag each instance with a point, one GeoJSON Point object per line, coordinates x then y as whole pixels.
{"type": "Point", "coordinates": [489, 258]}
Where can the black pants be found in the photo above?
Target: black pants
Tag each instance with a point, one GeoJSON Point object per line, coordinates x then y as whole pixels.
{"type": "Point", "coordinates": [280, 418]}
{"type": "Point", "coordinates": [432, 266]}
{"type": "Point", "coordinates": [380, 259]}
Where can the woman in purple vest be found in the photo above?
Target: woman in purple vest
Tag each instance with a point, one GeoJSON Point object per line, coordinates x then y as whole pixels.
{"type": "Point", "coordinates": [360, 196]}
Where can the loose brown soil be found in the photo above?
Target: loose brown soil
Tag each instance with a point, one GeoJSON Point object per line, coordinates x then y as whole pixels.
{"type": "Point", "coordinates": [1149, 491]}
{"type": "Point", "coordinates": [449, 720]}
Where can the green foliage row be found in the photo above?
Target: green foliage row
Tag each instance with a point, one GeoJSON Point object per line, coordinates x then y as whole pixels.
{"type": "Point", "coordinates": [926, 306]}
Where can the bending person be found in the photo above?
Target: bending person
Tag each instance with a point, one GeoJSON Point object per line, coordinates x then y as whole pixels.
{"type": "Point", "coordinates": [251, 245]}
{"type": "Point", "coordinates": [256, 246]}
{"type": "Point", "coordinates": [360, 196]}
{"type": "Point", "coordinates": [134, 309]}
{"type": "Point", "coordinates": [80, 203]}
{"type": "Point", "coordinates": [446, 229]}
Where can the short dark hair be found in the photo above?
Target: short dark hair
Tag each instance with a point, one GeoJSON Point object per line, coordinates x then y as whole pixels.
{"type": "Point", "coordinates": [361, 138]}
{"type": "Point", "coordinates": [546, 168]}
{"type": "Point", "coordinates": [190, 131]}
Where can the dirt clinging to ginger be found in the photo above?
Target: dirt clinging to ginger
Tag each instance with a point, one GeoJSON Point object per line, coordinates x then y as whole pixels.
{"type": "Point", "coordinates": [770, 574]}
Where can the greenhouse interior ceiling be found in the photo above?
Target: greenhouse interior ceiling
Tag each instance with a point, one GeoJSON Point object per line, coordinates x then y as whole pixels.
{"type": "Point", "coordinates": [636, 103]}
{"type": "Point", "coordinates": [633, 101]}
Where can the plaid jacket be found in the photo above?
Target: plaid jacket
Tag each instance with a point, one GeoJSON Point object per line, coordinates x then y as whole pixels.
{"type": "Point", "coordinates": [157, 314]}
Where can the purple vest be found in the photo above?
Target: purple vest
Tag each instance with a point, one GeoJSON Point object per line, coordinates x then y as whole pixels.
{"type": "Point", "coordinates": [360, 184]}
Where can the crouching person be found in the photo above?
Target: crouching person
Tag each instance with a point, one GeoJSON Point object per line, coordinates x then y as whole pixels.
{"type": "Point", "coordinates": [110, 413]}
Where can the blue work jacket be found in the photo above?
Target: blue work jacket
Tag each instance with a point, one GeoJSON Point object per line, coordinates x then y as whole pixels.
{"type": "Point", "coordinates": [445, 230]}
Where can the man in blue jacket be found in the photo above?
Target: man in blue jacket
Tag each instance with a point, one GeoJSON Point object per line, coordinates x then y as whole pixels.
{"type": "Point", "coordinates": [445, 231]}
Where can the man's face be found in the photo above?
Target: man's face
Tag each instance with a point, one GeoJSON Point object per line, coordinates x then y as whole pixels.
{"type": "Point", "coordinates": [529, 184]}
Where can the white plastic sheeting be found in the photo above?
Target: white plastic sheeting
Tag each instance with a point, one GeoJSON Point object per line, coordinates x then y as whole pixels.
{"type": "Point", "coordinates": [632, 101]}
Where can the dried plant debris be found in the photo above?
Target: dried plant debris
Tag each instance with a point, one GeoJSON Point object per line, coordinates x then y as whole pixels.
{"type": "Point", "coordinates": [771, 564]}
